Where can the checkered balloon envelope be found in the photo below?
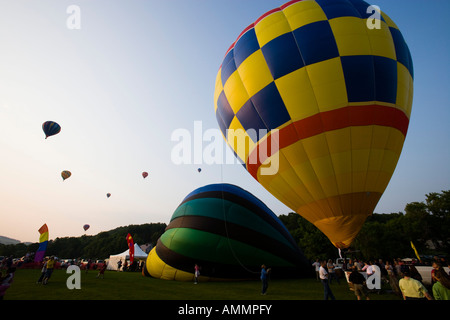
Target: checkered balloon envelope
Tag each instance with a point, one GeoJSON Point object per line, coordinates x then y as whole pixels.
{"type": "Point", "coordinates": [323, 89]}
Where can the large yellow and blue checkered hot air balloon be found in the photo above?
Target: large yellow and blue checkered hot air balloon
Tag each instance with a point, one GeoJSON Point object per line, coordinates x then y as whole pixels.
{"type": "Point", "coordinates": [334, 97]}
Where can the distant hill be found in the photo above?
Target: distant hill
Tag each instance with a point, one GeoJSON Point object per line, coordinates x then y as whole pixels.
{"type": "Point", "coordinates": [6, 240]}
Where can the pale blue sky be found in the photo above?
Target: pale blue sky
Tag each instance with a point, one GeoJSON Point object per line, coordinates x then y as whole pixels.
{"type": "Point", "coordinates": [137, 71]}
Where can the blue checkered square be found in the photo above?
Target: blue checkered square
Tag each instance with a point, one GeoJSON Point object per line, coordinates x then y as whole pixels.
{"type": "Point", "coordinates": [402, 50]}
{"type": "Point", "coordinates": [359, 77]}
{"type": "Point", "coordinates": [282, 55]}
{"type": "Point", "coordinates": [385, 79]}
{"type": "Point", "coordinates": [224, 110]}
{"type": "Point", "coordinates": [250, 120]}
{"type": "Point", "coordinates": [245, 46]}
{"type": "Point", "coordinates": [228, 66]}
{"type": "Point", "coordinates": [270, 106]}
{"type": "Point", "coordinates": [316, 42]}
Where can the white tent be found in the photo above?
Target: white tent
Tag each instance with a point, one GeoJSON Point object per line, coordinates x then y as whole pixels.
{"type": "Point", "coordinates": [138, 255]}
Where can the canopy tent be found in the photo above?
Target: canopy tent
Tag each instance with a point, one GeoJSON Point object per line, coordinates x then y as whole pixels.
{"type": "Point", "coordinates": [138, 255]}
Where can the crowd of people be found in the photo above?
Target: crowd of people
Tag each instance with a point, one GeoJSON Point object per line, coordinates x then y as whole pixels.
{"type": "Point", "coordinates": [8, 270]}
{"type": "Point", "coordinates": [404, 278]}
{"type": "Point", "coordinates": [6, 280]}
{"type": "Point", "coordinates": [136, 266]}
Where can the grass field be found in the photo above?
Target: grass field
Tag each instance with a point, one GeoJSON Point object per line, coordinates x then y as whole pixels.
{"type": "Point", "coordinates": [134, 286]}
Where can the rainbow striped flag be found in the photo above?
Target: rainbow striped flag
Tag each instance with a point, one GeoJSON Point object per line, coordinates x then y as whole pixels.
{"type": "Point", "coordinates": [43, 241]}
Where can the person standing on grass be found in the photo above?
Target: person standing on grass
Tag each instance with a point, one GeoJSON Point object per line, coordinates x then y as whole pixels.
{"type": "Point", "coordinates": [50, 267]}
{"type": "Point", "coordinates": [125, 266]}
{"type": "Point", "coordinates": [316, 266]}
{"type": "Point", "coordinates": [357, 279]}
{"type": "Point", "coordinates": [6, 281]}
{"type": "Point", "coordinates": [413, 289]}
{"type": "Point", "coordinates": [88, 265]}
{"type": "Point", "coordinates": [264, 279]}
{"type": "Point", "coordinates": [331, 271]}
{"type": "Point", "coordinates": [323, 275]}
{"type": "Point", "coordinates": [102, 271]}
{"type": "Point", "coordinates": [441, 288]}
{"type": "Point", "coordinates": [43, 271]}
{"type": "Point", "coordinates": [196, 273]}
{"type": "Point", "coordinates": [393, 281]}
{"type": "Point", "coordinates": [368, 268]}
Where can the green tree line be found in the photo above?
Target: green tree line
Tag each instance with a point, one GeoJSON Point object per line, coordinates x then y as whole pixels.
{"type": "Point", "coordinates": [100, 246]}
{"type": "Point", "coordinates": [386, 236]}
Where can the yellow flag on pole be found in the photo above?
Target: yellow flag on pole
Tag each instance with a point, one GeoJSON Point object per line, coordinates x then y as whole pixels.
{"type": "Point", "coordinates": [415, 251]}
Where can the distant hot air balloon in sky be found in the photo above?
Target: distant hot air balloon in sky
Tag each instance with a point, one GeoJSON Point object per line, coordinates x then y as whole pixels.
{"type": "Point", "coordinates": [50, 128]}
{"type": "Point", "coordinates": [65, 174]}
{"type": "Point", "coordinates": [323, 91]}
{"type": "Point", "coordinates": [199, 169]}
{"type": "Point", "coordinates": [86, 226]}
{"type": "Point", "coordinates": [145, 174]}
{"type": "Point", "coordinates": [108, 195]}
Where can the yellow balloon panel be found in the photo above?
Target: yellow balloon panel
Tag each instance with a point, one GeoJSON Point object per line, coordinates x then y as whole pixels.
{"type": "Point", "coordinates": [218, 89]}
{"type": "Point", "coordinates": [381, 41]}
{"type": "Point", "coordinates": [271, 27]}
{"type": "Point", "coordinates": [405, 89]}
{"type": "Point", "coordinates": [303, 13]}
{"type": "Point", "coordinates": [351, 180]}
{"type": "Point", "coordinates": [351, 36]}
{"type": "Point", "coordinates": [254, 73]}
{"type": "Point", "coordinates": [349, 227]}
{"type": "Point", "coordinates": [295, 87]}
{"type": "Point", "coordinates": [328, 83]}
{"type": "Point", "coordinates": [235, 91]}
{"type": "Point", "coordinates": [240, 140]}
{"type": "Point", "coordinates": [161, 270]}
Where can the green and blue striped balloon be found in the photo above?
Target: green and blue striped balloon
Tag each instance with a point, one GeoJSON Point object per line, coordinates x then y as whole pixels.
{"type": "Point", "coordinates": [229, 233]}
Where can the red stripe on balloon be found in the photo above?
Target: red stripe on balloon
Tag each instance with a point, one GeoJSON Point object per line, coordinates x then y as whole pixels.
{"type": "Point", "coordinates": [328, 121]}
{"type": "Point", "coordinates": [287, 4]}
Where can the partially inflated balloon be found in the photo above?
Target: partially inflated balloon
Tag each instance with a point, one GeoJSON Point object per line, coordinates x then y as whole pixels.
{"type": "Point", "coordinates": [229, 233]}
{"type": "Point", "coordinates": [86, 226]}
{"type": "Point", "coordinates": [50, 128]}
{"type": "Point", "coordinates": [65, 174]}
{"type": "Point", "coordinates": [321, 90]}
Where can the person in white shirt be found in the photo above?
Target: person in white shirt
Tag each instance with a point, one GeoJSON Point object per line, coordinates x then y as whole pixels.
{"type": "Point", "coordinates": [316, 265]}
{"type": "Point", "coordinates": [331, 271]}
{"type": "Point", "coordinates": [368, 268]}
{"type": "Point", "coordinates": [323, 275]}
